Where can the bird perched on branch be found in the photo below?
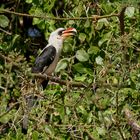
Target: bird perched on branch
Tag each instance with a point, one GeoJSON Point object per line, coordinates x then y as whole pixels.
{"type": "Point", "coordinates": [47, 61]}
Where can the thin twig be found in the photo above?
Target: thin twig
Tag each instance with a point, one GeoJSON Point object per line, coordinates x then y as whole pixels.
{"type": "Point", "coordinates": [90, 135]}
{"type": "Point", "coordinates": [8, 33]}
{"type": "Point", "coordinates": [105, 126]}
{"type": "Point", "coordinates": [131, 121]}
{"type": "Point", "coordinates": [119, 129]}
{"type": "Point", "coordinates": [94, 17]}
{"type": "Point", "coordinates": [9, 60]}
{"type": "Point", "coordinates": [3, 88]}
{"type": "Point", "coordinates": [117, 117]}
{"type": "Point", "coordinates": [8, 110]}
{"type": "Point", "coordinates": [5, 58]}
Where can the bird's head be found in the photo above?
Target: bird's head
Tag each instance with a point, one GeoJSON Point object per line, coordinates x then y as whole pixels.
{"type": "Point", "coordinates": [59, 35]}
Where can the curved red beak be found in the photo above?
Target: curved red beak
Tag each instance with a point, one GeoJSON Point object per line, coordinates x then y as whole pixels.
{"type": "Point", "coordinates": [69, 32]}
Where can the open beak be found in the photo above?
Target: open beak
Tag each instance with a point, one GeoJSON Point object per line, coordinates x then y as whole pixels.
{"type": "Point", "coordinates": [69, 32]}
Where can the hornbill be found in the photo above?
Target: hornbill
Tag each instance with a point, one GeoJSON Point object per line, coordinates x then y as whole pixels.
{"type": "Point", "coordinates": [47, 61]}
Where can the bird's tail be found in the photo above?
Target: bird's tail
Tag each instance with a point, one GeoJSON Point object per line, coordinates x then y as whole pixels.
{"type": "Point", "coordinates": [43, 82]}
{"type": "Point", "coordinates": [25, 124]}
{"type": "Point", "coordinates": [29, 102]}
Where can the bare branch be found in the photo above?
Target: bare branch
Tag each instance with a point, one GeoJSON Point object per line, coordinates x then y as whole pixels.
{"type": "Point", "coordinates": [94, 17]}
{"type": "Point", "coordinates": [121, 19]}
{"type": "Point", "coordinates": [77, 84]}
{"type": "Point", "coordinates": [131, 121]}
{"type": "Point", "coordinates": [8, 33]}
{"type": "Point", "coordinates": [58, 80]}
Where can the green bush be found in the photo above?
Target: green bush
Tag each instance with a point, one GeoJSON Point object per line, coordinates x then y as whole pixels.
{"type": "Point", "coordinates": [99, 69]}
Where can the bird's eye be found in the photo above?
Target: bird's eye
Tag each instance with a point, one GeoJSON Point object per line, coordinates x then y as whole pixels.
{"type": "Point", "coordinates": [60, 32]}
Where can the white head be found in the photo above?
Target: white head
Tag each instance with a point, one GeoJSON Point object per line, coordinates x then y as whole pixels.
{"type": "Point", "coordinates": [58, 36]}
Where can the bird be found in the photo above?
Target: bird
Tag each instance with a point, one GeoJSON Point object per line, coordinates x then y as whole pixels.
{"type": "Point", "coordinates": [47, 60]}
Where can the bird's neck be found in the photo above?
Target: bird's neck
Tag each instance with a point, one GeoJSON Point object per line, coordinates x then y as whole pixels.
{"type": "Point", "coordinates": [57, 45]}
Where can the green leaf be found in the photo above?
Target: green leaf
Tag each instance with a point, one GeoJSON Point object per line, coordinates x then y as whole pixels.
{"type": "Point", "coordinates": [101, 22]}
{"type": "Point", "coordinates": [89, 117]}
{"type": "Point", "coordinates": [36, 11]}
{"type": "Point", "coordinates": [80, 78]}
{"type": "Point", "coordinates": [82, 55]}
{"type": "Point", "coordinates": [49, 130]}
{"type": "Point", "coordinates": [28, 1]}
{"type": "Point", "coordinates": [101, 130]}
{"type": "Point", "coordinates": [67, 46]}
{"type": "Point", "coordinates": [36, 21]}
{"type": "Point", "coordinates": [6, 118]}
{"type": "Point", "coordinates": [87, 24]}
{"type": "Point", "coordinates": [62, 64]}
{"type": "Point", "coordinates": [82, 37]}
{"type": "Point", "coordinates": [79, 67]}
{"type": "Point", "coordinates": [93, 50]}
{"type": "Point", "coordinates": [71, 22]}
{"type": "Point", "coordinates": [68, 111]}
{"type": "Point", "coordinates": [104, 21]}
{"type": "Point", "coordinates": [130, 11]}
{"type": "Point", "coordinates": [96, 134]}
{"type": "Point", "coordinates": [107, 7]}
{"type": "Point", "coordinates": [15, 38]}
{"type": "Point", "coordinates": [106, 37]}
{"type": "Point", "coordinates": [137, 36]}
{"type": "Point", "coordinates": [4, 21]}
{"type": "Point", "coordinates": [82, 109]}
{"type": "Point", "coordinates": [99, 60]}
{"type": "Point", "coordinates": [48, 5]}
{"type": "Point", "coordinates": [99, 25]}
{"type": "Point", "coordinates": [35, 135]}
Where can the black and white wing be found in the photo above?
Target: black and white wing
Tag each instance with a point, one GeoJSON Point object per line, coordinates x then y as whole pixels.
{"type": "Point", "coordinates": [44, 59]}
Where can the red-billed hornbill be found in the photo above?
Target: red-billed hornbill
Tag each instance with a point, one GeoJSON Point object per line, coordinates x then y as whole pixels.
{"type": "Point", "coordinates": [47, 61]}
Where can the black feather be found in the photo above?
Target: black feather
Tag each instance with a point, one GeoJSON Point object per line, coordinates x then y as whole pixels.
{"type": "Point", "coordinates": [44, 59]}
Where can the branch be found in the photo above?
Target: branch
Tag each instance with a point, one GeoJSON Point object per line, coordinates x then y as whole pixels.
{"type": "Point", "coordinates": [119, 129]}
{"type": "Point", "coordinates": [8, 33]}
{"type": "Point", "coordinates": [121, 19]}
{"type": "Point", "coordinates": [58, 80]}
{"type": "Point", "coordinates": [94, 17]}
{"type": "Point", "coordinates": [5, 58]}
{"type": "Point", "coordinates": [131, 121]}
{"type": "Point", "coordinates": [9, 109]}
{"type": "Point", "coordinates": [77, 84]}
{"type": "Point", "coordinates": [90, 135]}
{"type": "Point", "coordinates": [9, 60]}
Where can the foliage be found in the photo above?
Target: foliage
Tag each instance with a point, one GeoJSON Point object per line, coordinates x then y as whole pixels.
{"type": "Point", "coordinates": [98, 56]}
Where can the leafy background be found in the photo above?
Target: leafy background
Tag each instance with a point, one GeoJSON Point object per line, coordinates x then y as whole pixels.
{"type": "Point", "coordinates": [100, 57]}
